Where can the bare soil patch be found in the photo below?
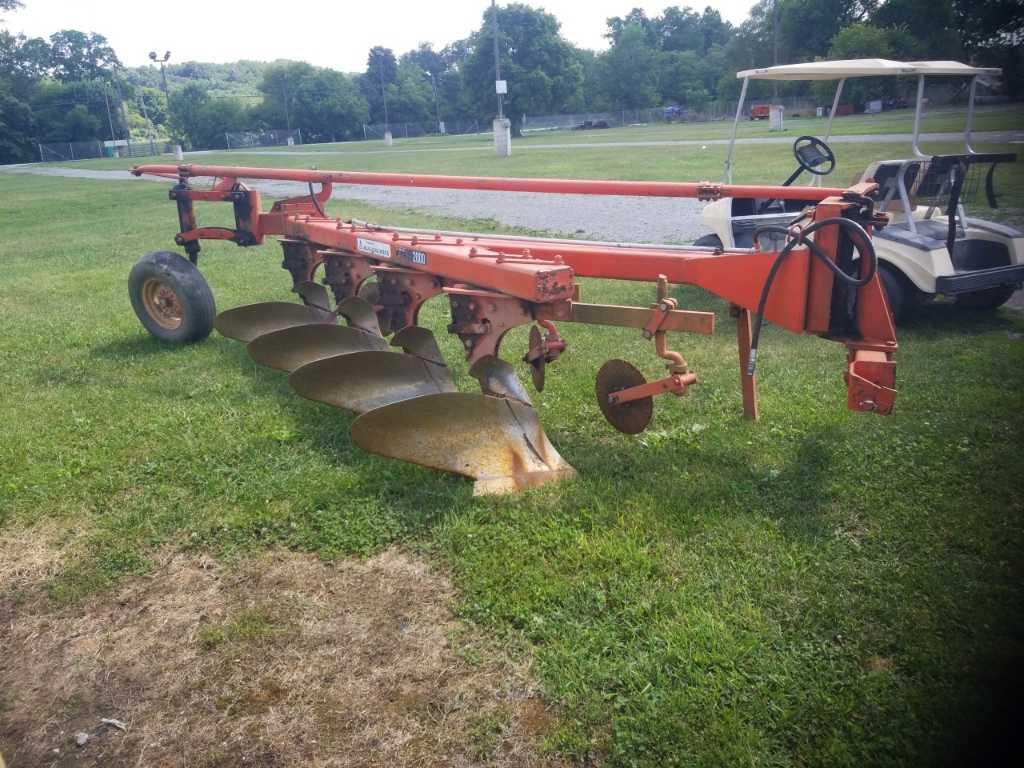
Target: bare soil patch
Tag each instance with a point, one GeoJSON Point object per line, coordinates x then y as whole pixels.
{"type": "Point", "coordinates": [280, 660]}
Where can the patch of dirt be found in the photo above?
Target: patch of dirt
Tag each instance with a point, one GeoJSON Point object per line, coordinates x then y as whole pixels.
{"type": "Point", "coordinates": [280, 660]}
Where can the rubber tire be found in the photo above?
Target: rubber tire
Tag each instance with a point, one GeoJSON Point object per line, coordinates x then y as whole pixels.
{"type": "Point", "coordinates": [190, 287]}
{"type": "Point", "coordinates": [708, 241]}
{"type": "Point", "coordinates": [895, 291]}
{"type": "Point", "coordinates": [990, 298]}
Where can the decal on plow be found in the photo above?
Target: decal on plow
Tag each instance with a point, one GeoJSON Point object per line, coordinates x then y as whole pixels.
{"type": "Point", "coordinates": [375, 278]}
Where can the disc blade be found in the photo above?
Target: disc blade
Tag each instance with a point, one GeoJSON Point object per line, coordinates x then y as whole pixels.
{"type": "Point", "coordinates": [366, 380]}
{"type": "Point", "coordinates": [632, 417]}
{"type": "Point", "coordinates": [292, 348]}
{"type": "Point", "coordinates": [247, 322]}
{"type": "Point", "coordinates": [496, 441]}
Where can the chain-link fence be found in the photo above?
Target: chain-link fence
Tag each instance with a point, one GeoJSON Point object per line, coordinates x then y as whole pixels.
{"type": "Point", "coordinates": [275, 137]}
{"type": "Point", "coordinates": [429, 128]}
{"type": "Point", "coordinates": [705, 113]}
{"type": "Point", "coordinates": [64, 151]}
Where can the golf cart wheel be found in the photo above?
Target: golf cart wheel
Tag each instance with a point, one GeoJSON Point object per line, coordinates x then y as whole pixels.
{"type": "Point", "coordinates": [990, 298]}
{"type": "Point", "coordinates": [895, 291]}
{"type": "Point", "coordinates": [708, 241]}
{"type": "Point", "coordinates": [171, 298]}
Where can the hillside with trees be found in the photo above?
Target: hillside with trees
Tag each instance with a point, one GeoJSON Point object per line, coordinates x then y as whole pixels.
{"type": "Point", "coordinates": [72, 86]}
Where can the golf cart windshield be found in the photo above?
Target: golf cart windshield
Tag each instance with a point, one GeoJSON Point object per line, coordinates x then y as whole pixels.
{"type": "Point", "coordinates": [842, 70]}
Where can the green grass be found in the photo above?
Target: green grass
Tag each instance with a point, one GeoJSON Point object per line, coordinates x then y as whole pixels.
{"type": "Point", "coordinates": [819, 589]}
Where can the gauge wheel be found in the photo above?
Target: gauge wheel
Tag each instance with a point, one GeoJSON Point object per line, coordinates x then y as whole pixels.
{"type": "Point", "coordinates": [171, 298]}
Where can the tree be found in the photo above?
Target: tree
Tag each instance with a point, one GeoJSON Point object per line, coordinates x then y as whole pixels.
{"type": "Point", "coordinates": [328, 106]}
{"type": "Point", "coordinates": [860, 41]}
{"type": "Point", "coordinates": [319, 102]}
{"type": "Point", "coordinates": [630, 70]}
{"type": "Point", "coordinates": [381, 71]}
{"type": "Point", "coordinates": [806, 27]}
{"type": "Point", "coordinates": [542, 73]}
{"type": "Point", "coordinates": [17, 128]}
{"type": "Point", "coordinates": [993, 23]}
{"type": "Point", "coordinates": [679, 29]}
{"type": "Point", "coordinates": [938, 38]}
{"type": "Point", "coordinates": [682, 79]}
{"type": "Point", "coordinates": [280, 86]}
{"type": "Point", "coordinates": [635, 18]}
{"type": "Point", "coordinates": [185, 106]}
{"type": "Point", "coordinates": [76, 56]}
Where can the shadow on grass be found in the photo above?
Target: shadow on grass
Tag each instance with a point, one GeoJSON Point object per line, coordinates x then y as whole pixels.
{"type": "Point", "coordinates": [139, 344]}
{"type": "Point", "coordinates": [943, 318]}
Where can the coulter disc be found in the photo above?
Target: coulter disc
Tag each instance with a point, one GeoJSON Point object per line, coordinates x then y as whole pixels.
{"type": "Point", "coordinates": [495, 440]}
{"type": "Point", "coordinates": [291, 348]}
{"type": "Point", "coordinates": [633, 417]}
{"type": "Point", "coordinates": [363, 381]}
{"type": "Point", "coordinates": [247, 322]}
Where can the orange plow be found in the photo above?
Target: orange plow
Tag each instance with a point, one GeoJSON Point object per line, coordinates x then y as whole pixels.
{"type": "Point", "coordinates": [351, 339]}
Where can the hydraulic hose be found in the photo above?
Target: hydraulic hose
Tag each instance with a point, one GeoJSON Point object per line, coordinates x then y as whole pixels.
{"type": "Point", "coordinates": [861, 241]}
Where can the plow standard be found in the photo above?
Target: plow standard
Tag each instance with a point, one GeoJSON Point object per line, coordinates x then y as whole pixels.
{"type": "Point", "coordinates": [816, 276]}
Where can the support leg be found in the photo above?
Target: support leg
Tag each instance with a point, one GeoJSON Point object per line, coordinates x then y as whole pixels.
{"type": "Point", "coordinates": [748, 383]}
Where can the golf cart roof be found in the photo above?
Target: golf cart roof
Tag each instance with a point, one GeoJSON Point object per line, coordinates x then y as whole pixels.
{"type": "Point", "coordinates": [835, 70]}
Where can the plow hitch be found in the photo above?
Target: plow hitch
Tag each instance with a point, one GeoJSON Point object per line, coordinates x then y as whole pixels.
{"type": "Point", "coordinates": [351, 337]}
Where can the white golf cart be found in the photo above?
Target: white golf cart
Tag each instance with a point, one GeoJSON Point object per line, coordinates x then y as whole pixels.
{"type": "Point", "coordinates": [930, 246]}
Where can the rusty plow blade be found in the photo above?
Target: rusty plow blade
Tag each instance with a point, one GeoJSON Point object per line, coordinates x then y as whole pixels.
{"type": "Point", "coordinates": [291, 348]}
{"type": "Point", "coordinates": [495, 438]}
{"type": "Point", "coordinates": [362, 381]}
{"type": "Point", "coordinates": [497, 441]}
{"type": "Point", "coordinates": [248, 322]}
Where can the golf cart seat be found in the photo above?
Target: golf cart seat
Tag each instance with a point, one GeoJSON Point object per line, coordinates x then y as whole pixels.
{"type": "Point", "coordinates": [894, 196]}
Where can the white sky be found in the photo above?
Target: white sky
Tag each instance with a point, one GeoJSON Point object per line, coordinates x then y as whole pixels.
{"type": "Point", "coordinates": [336, 34]}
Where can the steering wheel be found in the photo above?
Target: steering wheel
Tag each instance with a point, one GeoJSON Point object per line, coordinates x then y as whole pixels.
{"type": "Point", "coordinates": [812, 153]}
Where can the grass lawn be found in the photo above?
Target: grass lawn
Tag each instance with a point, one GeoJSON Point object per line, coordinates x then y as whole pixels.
{"type": "Point", "coordinates": [819, 589]}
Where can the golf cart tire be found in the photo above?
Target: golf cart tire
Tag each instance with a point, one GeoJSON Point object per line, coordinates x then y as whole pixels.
{"type": "Point", "coordinates": [989, 298]}
{"type": "Point", "coordinates": [708, 241]}
{"type": "Point", "coordinates": [173, 272]}
{"type": "Point", "coordinates": [896, 291]}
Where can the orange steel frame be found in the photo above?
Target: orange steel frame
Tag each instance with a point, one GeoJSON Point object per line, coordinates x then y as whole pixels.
{"type": "Point", "coordinates": [496, 283]}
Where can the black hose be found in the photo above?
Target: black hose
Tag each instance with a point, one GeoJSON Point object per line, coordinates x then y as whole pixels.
{"type": "Point", "coordinates": [316, 201]}
{"type": "Point", "coordinates": [861, 241]}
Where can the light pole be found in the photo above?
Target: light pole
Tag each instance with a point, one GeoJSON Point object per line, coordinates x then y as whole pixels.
{"type": "Point", "coordinates": [437, 107]}
{"type": "Point", "coordinates": [161, 62]}
{"type": "Point", "coordinates": [497, 58]}
{"type": "Point", "coordinates": [502, 127]}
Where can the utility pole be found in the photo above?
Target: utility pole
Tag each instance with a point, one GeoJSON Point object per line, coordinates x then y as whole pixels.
{"type": "Point", "coordinates": [110, 120]}
{"type": "Point", "coordinates": [437, 107]}
{"type": "Point", "coordinates": [775, 46]}
{"type": "Point", "coordinates": [383, 91]}
{"type": "Point", "coordinates": [497, 58]}
{"type": "Point", "coordinates": [287, 110]}
{"type": "Point", "coordinates": [145, 115]}
{"type": "Point", "coordinates": [384, 98]}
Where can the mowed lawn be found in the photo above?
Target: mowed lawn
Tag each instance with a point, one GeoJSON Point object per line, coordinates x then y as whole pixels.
{"type": "Point", "coordinates": [818, 589]}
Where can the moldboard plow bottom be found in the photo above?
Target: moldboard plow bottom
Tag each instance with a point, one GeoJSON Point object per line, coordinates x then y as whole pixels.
{"type": "Point", "coordinates": [352, 339]}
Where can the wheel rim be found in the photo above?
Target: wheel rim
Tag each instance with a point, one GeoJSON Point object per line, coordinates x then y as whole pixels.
{"type": "Point", "coordinates": [161, 303]}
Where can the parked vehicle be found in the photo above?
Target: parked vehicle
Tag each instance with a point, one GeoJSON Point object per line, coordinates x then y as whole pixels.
{"type": "Point", "coordinates": [930, 246]}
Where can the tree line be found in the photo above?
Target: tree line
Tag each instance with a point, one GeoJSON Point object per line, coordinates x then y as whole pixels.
{"type": "Point", "coordinates": [72, 86]}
